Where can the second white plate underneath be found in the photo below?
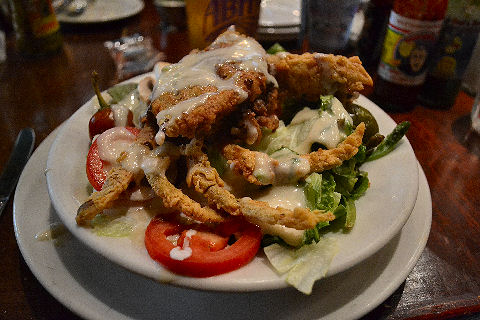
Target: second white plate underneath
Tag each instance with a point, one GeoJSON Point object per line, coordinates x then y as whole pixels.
{"type": "Point", "coordinates": [95, 288]}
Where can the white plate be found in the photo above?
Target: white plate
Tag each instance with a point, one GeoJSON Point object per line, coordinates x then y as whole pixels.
{"type": "Point", "coordinates": [381, 213]}
{"type": "Point", "coordinates": [277, 34]}
{"type": "Point", "coordinates": [95, 288]}
{"type": "Point", "coordinates": [279, 13]}
{"type": "Point", "coordinates": [104, 11]}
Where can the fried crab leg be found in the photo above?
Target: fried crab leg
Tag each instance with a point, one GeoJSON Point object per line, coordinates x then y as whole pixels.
{"type": "Point", "coordinates": [117, 181]}
{"type": "Point", "coordinates": [119, 178]}
{"type": "Point", "coordinates": [309, 75]}
{"type": "Point", "coordinates": [206, 181]}
{"type": "Point", "coordinates": [246, 162]}
{"type": "Point", "coordinates": [174, 198]}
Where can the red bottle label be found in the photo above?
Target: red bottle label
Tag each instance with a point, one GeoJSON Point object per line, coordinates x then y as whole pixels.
{"type": "Point", "coordinates": [406, 48]}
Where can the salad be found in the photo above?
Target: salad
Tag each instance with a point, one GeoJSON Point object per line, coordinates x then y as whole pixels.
{"type": "Point", "coordinates": [265, 164]}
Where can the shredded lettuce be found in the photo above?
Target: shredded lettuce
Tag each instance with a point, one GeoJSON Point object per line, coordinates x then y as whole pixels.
{"type": "Point", "coordinates": [320, 192]}
{"type": "Point", "coordinates": [302, 267]}
{"type": "Point", "coordinates": [334, 191]}
{"type": "Point", "coordinates": [117, 226]}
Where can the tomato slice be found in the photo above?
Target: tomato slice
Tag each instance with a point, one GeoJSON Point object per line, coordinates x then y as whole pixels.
{"type": "Point", "coordinates": [96, 173]}
{"type": "Point", "coordinates": [210, 253]}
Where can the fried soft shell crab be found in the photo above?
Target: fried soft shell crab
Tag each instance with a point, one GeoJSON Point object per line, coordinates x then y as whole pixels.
{"type": "Point", "coordinates": [226, 97]}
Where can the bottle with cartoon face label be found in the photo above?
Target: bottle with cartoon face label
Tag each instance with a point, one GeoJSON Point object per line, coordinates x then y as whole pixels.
{"type": "Point", "coordinates": [412, 31]}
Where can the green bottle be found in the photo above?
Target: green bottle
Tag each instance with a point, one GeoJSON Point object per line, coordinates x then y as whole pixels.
{"type": "Point", "coordinates": [36, 27]}
{"type": "Point", "coordinates": [452, 54]}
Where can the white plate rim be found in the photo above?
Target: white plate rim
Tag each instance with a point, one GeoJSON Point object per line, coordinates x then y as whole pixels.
{"type": "Point", "coordinates": [137, 7]}
{"type": "Point", "coordinates": [92, 308]}
{"type": "Point", "coordinates": [236, 280]}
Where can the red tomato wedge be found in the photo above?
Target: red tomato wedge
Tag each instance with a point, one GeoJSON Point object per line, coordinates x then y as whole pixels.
{"type": "Point", "coordinates": [210, 253]}
{"type": "Point", "coordinates": [96, 173]}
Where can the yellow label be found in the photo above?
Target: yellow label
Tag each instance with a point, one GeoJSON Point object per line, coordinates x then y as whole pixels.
{"type": "Point", "coordinates": [388, 53]}
{"type": "Point", "coordinates": [208, 18]}
{"type": "Point", "coordinates": [45, 26]}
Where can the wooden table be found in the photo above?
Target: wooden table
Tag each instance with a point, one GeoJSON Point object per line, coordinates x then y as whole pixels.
{"type": "Point", "coordinates": [43, 93]}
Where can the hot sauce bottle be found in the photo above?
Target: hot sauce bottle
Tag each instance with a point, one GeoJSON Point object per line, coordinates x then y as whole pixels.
{"type": "Point", "coordinates": [413, 29]}
{"type": "Point", "coordinates": [36, 27]}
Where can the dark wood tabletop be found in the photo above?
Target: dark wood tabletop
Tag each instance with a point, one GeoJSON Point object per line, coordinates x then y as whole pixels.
{"type": "Point", "coordinates": [42, 94]}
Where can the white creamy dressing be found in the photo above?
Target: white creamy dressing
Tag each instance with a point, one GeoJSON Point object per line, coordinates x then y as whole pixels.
{"type": "Point", "coordinates": [134, 103]}
{"type": "Point", "coordinates": [285, 196]}
{"type": "Point", "coordinates": [308, 127]}
{"type": "Point", "coordinates": [288, 197]}
{"type": "Point", "coordinates": [183, 252]}
{"type": "Point", "coordinates": [280, 171]}
{"type": "Point", "coordinates": [199, 69]}
{"type": "Point", "coordinates": [120, 115]}
{"type": "Point", "coordinates": [252, 132]}
{"type": "Point", "coordinates": [136, 158]}
{"type": "Point", "coordinates": [112, 143]}
{"type": "Point", "coordinates": [320, 127]}
{"type": "Point", "coordinates": [264, 168]}
{"type": "Point", "coordinates": [171, 114]}
{"type": "Point", "coordinates": [54, 231]}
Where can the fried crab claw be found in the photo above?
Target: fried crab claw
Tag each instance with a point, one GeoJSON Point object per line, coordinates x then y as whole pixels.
{"type": "Point", "coordinates": [224, 95]}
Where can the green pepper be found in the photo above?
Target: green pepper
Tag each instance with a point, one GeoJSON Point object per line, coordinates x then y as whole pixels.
{"type": "Point", "coordinates": [388, 144]}
{"type": "Point", "coordinates": [101, 101]}
{"type": "Point", "coordinates": [360, 114]}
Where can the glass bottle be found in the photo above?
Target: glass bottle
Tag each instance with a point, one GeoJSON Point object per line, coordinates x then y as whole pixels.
{"type": "Point", "coordinates": [36, 27]}
{"type": "Point", "coordinates": [412, 32]}
{"type": "Point", "coordinates": [373, 32]}
{"type": "Point", "coordinates": [452, 54]}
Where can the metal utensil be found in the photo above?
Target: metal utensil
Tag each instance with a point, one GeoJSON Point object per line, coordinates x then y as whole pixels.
{"type": "Point", "coordinates": [18, 159]}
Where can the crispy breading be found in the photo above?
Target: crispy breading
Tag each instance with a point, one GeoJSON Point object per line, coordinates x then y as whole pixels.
{"type": "Point", "coordinates": [117, 181]}
{"type": "Point", "coordinates": [174, 198]}
{"type": "Point", "coordinates": [241, 111]}
{"type": "Point", "coordinates": [244, 161]}
{"type": "Point", "coordinates": [322, 160]}
{"type": "Point", "coordinates": [260, 212]}
{"type": "Point", "coordinates": [205, 179]}
{"type": "Point", "coordinates": [309, 75]}
{"type": "Point", "coordinates": [204, 117]}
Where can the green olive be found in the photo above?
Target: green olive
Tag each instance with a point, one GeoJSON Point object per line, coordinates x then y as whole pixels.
{"type": "Point", "coordinates": [360, 114]}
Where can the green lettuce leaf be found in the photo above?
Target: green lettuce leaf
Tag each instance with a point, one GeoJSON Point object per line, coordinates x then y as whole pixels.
{"type": "Point", "coordinates": [120, 91]}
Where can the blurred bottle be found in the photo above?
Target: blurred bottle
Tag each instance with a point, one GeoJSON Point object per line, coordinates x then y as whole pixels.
{"type": "Point", "coordinates": [3, 47]}
{"type": "Point", "coordinates": [452, 54]}
{"type": "Point", "coordinates": [412, 32]}
{"type": "Point", "coordinates": [327, 24]}
{"type": "Point", "coordinates": [5, 17]}
{"type": "Point", "coordinates": [371, 38]}
{"type": "Point", "coordinates": [206, 19]}
{"type": "Point", "coordinates": [36, 27]}
{"type": "Point", "coordinates": [472, 74]}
